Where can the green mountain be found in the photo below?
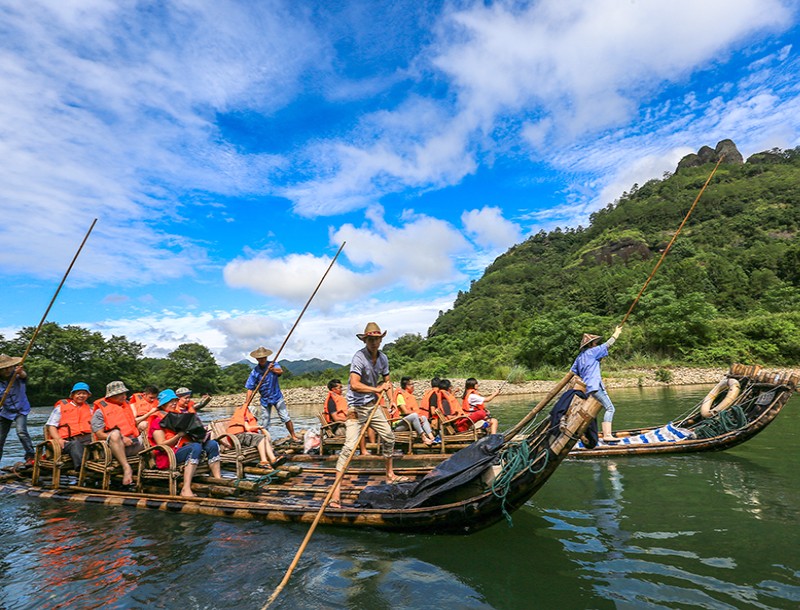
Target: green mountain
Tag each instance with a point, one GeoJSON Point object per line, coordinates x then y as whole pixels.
{"type": "Point", "coordinates": [313, 365]}
{"type": "Point", "coordinates": [728, 290]}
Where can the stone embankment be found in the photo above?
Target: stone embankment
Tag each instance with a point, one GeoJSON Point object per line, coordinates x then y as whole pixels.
{"type": "Point", "coordinates": [615, 379]}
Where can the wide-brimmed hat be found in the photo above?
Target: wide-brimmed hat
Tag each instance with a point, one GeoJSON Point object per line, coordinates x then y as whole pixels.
{"type": "Point", "coordinates": [116, 387]}
{"type": "Point", "coordinates": [164, 396]}
{"type": "Point", "coordinates": [587, 339]}
{"type": "Point", "coordinates": [7, 361]}
{"type": "Point", "coordinates": [183, 392]}
{"type": "Point", "coordinates": [80, 386]}
{"type": "Point", "coordinates": [261, 352]}
{"type": "Point", "coordinates": [371, 330]}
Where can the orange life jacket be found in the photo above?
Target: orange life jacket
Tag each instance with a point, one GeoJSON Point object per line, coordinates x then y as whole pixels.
{"type": "Point", "coordinates": [118, 416]}
{"type": "Point", "coordinates": [468, 408]}
{"type": "Point", "coordinates": [168, 434]}
{"type": "Point", "coordinates": [449, 404]}
{"type": "Point", "coordinates": [430, 401]}
{"type": "Point", "coordinates": [241, 421]}
{"type": "Point", "coordinates": [339, 403]}
{"type": "Point", "coordinates": [411, 401]}
{"type": "Point", "coordinates": [75, 420]}
{"type": "Point", "coordinates": [141, 404]}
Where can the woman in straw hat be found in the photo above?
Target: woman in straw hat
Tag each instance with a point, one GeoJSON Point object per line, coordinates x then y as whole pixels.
{"type": "Point", "coordinates": [369, 378]}
{"type": "Point", "coordinates": [587, 367]}
{"type": "Point", "coordinates": [15, 406]}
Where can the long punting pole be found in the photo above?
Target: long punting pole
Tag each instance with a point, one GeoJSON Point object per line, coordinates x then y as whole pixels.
{"type": "Point", "coordinates": [565, 380]}
{"type": "Point", "coordinates": [672, 241]}
{"type": "Point", "coordinates": [44, 317]}
{"type": "Point", "coordinates": [313, 294]}
{"type": "Point", "coordinates": [304, 544]}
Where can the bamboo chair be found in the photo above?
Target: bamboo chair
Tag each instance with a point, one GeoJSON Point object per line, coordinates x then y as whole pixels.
{"type": "Point", "coordinates": [50, 457]}
{"type": "Point", "coordinates": [148, 472]}
{"type": "Point", "coordinates": [98, 460]}
{"type": "Point", "coordinates": [448, 433]}
{"type": "Point", "coordinates": [231, 452]}
{"type": "Point", "coordinates": [328, 439]}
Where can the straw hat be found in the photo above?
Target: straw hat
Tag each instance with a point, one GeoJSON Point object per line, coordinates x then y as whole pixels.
{"type": "Point", "coordinates": [587, 339]}
{"type": "Point", "coordinates": [116, 387]}
{"type": "Point", "coordinates": [7, 361]}
{"type": "Point", "coordinates": [371, 330]}
{"type": "Point", "coordinates": [261, 352]}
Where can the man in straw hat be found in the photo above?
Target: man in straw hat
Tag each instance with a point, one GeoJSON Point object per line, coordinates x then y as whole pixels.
{"type": "Point", "coordinates": [369, 377]}
{"type": "Point", "coordinates": [70, 423]}
{"type": "Point", "coordinates": [113, 421]}
{"type": "Point", "coordinates": [16, 406]}
{"type": "Point", "coordinates": [270, 390]}
{"type": "Point", "coordinates": [587, 367]}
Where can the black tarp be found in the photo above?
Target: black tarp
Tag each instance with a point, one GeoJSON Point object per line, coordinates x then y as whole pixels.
{"type": "Point", "coordinates": [459, 468]}
{"type": "Point", "coordinates": [189, 423]}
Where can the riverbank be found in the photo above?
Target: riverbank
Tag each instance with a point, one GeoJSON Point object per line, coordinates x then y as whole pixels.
{"type": "Point", "coordinates": [645, 377]}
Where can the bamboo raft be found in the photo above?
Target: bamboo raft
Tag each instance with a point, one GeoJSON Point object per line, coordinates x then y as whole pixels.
{"type": "Point", "coordinates": [295, 495]}
{"type": "Point", "coordinates": [753, 399]}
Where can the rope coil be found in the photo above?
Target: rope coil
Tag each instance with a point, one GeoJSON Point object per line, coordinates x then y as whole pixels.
{"type": "Point", "coordinates": [515, 459]}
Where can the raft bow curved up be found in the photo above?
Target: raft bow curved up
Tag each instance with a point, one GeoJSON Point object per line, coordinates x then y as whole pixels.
{"type": "Point", "coordinates": [752, 399]}
{"type": "Point", "coordinates": [468, 501]}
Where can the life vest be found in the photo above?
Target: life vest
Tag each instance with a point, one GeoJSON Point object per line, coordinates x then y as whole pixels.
{"type": "Point", "coordinates": [465, 406]}
{"type": "Point", "coordinates": [449, 404]}
{"type": "Point", "coordinates": [141, 404]}
{"type": "Point", "coordinates": [411, 401]}
{"type": "Point", "coordinates": [339, 403]}
{"type": "Point", "coordinates": [118, 416]}
{"type": "Point", "coordinates": [75, 420]}
{"type": "Point", "coordinates": [240, 419]}
{"type": "Point", "coordinates": [430, 401]}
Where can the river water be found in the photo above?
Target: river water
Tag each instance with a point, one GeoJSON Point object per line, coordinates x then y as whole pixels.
{"type": "Point", "coordinates": [695, 531]}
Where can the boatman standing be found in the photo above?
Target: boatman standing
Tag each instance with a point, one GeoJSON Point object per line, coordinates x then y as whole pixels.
{"type": "Point", "coordinates": [587, 367]}
{"type": "Point", "coordinates": [270, 390]}
{"type": "Point", "coordinates": [16, 406]}
{"type": "Point", "coordinates": [369, 377]}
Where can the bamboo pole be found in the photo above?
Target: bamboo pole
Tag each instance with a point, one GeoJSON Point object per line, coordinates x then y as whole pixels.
{"type": "Point", "coordinates": [280, 349]}
{"type": "Point", "coordinates": [672, 241]}
{"type": "Point", "coordinates": [539, 406]}
{"type": "Point", "coordinates": [44, 317]}
{"type": "Point", "coordinates": [337, 481]}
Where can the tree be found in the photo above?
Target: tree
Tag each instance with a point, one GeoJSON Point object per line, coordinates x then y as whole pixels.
{"type": "Point", "coordinates": [191, 365]}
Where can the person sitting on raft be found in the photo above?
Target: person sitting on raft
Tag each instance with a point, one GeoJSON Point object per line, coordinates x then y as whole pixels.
{"type": "Point", "coordinates": [114, 423]}
{"type": "Point", "coordinates": [335, 411]}
{"type": "Point", "coordinates": [450, 406]}
{"type": "Point", "coordinates": [408, 409]}
{"type": "Point", "coordinates": [70, 423]}
{"type": "Point", "coordinates": [186, 450]}
{"type": "Point", "coordinates": [587, 367]}
{"type": "Point", "coordinates": [474, 405]}
{"type": "Point", "coordinates": [144, 405]}
{"type": "Point", "coordinates": [244, 426]}
{"type": "Point", "coordinates": [187, 405]}
{"type": "Point", "coordinates": [430, 402]}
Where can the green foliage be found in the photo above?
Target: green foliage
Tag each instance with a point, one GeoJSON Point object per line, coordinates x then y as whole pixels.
{"type": "Point", "coordinates": [191, 365]}
{"type": "Point", "coordinates": [664, 375]}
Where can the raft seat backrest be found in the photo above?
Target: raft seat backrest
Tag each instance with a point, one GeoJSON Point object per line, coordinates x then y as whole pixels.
{"type": "Point", "coordinates": [448, 433]}
{"type": "Point", "coordinates": [48, 456]}
{"type": "Point", "coordinates": [327, 434]}
{"type": "Point", "coordinates": [98, 459]}
{"type": "Point", "coordinates": [231, 452]}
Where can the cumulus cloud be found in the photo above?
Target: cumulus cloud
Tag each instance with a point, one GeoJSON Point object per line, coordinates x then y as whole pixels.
{"type": "Point", "coordinates": [489, 228]}
{"type": "Point", "coordinates": [416, 255]}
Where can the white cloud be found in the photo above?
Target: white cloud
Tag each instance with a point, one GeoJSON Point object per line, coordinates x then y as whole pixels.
{"type": "Point", "coordinates": [416, 255]}
{"type": "Point", "coordinates": [490, 229]}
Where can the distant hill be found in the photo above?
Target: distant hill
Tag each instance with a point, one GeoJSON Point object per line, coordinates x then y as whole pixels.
{"type": "Point", "coordinates": [729, 289]}
{"type": "Point", "coordinates": [315, 365]}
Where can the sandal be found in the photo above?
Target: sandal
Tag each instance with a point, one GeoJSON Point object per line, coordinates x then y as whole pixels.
{"type": "Point", "coordinates": [264, 465]}
{"type": "Point", "coordinates": [278, 461]}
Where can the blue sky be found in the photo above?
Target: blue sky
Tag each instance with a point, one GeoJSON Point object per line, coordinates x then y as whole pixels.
{"type": "Point", "coordinates": [229, 148]}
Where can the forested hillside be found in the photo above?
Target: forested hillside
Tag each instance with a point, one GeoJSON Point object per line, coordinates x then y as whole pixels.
{"type": "Point", "coordinates": [729, 289]}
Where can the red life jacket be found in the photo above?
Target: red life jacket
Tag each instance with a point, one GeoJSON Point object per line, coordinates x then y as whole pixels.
{"type": "Point", "coordinates": [118, 416]}
{"type": "Point", "coordinates": [339, 406]}
{"type": "Point", "coordinates": [468, 408]}
{"type": "Point", "coordinates": [411, 401]}
{"type": "Point", "coordinates": [430, 401]}
{"type": "Point", "coordinates": [75, 420]}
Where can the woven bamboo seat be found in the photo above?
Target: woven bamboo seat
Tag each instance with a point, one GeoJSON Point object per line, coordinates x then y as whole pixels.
{"type": "Point", "coordinates": [450, 435]}
{"type": "Point", "coordinates": [231, 452]}
{"type": "Point", "coordinates": [148, 472]}
{"type": "Point", "coordinates": [50, 457]}
{"type": "Point", "coordinates": [98, 460]}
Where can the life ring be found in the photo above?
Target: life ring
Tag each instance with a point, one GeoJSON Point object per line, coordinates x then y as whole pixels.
{"type": "Point", "coordinates": [733, 390]}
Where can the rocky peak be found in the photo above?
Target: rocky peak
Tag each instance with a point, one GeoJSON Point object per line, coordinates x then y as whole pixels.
{"type": "Point", "coordinates": [706, 154]}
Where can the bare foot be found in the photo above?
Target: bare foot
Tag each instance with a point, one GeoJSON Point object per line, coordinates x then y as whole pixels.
{"type": "Point", "coordinates": [190, 494]}
{"type": "Point", "coordinates": [334, 504]}
{"type": "Point", "coordinates": [127, 476]}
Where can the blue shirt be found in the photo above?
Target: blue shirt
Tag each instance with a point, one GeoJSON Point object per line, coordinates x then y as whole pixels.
{"type": "Point", "coordinates": [587, 366]}
{"type": "Point", "coordinates": [16, 402]}
{"type": "Point", "coordinates": [270, 390]}
{"type": "Point", "coordinates": [371, 375]}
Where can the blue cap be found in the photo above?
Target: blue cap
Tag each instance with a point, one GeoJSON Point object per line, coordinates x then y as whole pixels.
{"type": "Point", "coordinates": [80, 386]}
{"type": "Point", "coordinates": [165, 396]}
